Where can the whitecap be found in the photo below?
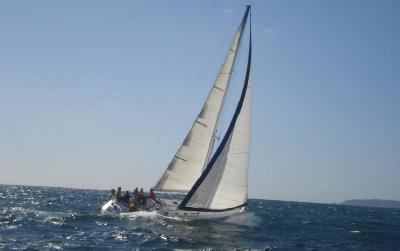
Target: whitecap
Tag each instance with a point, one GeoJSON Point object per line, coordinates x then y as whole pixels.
{"type": "Point", "coordinates": [54, 220]}
{"type": "Point", "coordinates": [174, 218]}
{"type": "Point", "coordinates": [101, 223]}
{"type": "Point", "coordinates": [13, 226]}
{"type": "Point", "coordinates": [142, 214]}
{"type": "Point", "coordinates": [54, 246]}
{"type": "Point", "coordinates": [163, 237]}
{"type": "Point", "coordinates": [120, 236]}
{"type": "Point", "coordinates": [355, 231]}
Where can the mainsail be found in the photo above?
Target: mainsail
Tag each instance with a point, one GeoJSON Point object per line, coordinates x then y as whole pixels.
{"type": "Point", "coordinates": [194, 153]}
{"type": "Point", "coordinates": [223, 184]}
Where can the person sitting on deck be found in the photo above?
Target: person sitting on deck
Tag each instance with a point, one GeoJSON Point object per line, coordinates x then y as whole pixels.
{"type": "Point", "coordinates": [126, 198]}
{"type": "Point", "coordinates": [142, 197]}
{"type": "Point", "coordinates": [133, 205]}
{"type": "Point", "coordinates": [136, 193]}
{"type": "Point", "coordinates": [119, 193]}
{"type": "Point", "coordinates": [152, 194]}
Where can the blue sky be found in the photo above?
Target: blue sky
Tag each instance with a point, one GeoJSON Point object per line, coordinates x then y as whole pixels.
{"type": "Point", "coordinates": [86, 87]}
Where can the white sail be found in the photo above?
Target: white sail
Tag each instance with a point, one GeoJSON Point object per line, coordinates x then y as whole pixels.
{"type": "Point", "coordinates": [193, 155]}
{"type": "Point", "coordinates": [232, 188]}
{"type": "Point", "coordinates": [223, 184]}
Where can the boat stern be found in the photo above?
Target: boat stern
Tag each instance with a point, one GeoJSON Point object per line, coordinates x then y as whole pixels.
{"type": "Point", "coordinates": [112, 207]}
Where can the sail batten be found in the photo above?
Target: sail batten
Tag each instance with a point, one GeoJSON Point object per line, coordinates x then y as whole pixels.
{"type": "Point", "coordinates": [193, 155]}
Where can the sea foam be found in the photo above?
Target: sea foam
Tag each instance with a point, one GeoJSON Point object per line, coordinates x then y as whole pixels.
{"type": "Point", "coordinates": [246, 219]}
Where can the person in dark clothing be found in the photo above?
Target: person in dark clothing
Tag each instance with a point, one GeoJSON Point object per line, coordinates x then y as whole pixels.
{"type": "Point", "coordinates": [126, 198]}
{"type": "Point", "coordinates": [113, 194]}
{"type": "Point", "coordinates": [142, 197]}
{"type": "Point", "coordinates": [119, 193]}
{"type": "Point", "coordinates": [136, 193]}
{"type": "Point", "coordinates": [152, 194]}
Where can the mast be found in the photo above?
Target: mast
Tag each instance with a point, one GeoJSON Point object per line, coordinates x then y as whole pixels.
{"type": "Point", "coordinates": [223, 184]}
{"type": "Point", "coordinates": [193, 155]}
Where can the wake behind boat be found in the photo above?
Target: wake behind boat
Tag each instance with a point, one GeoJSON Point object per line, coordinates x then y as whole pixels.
{"type": "Point", "coordinates": [214, 179]}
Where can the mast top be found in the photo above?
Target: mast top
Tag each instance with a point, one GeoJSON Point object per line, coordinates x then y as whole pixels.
{"type": "Point", "coordinates": [248, 8]}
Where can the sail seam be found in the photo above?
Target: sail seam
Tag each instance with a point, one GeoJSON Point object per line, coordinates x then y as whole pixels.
{"type": "Point", "coordinates": [181, 158]}
{"type": "Point", "coordinates": [192, 161]}
{"type": "Point", "coordinates": [197, 143]}
{"type": "Point", "coordinates": [219, 89]}
{"type": "Point", "coordinates": [201, 123]}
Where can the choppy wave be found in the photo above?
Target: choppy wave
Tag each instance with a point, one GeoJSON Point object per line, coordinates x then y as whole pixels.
{"type": "Point", "coordinates": [246, 219]}
{"type": "Point", "coordinates": [141, 214]}
{"type": "Point", "coordinates": [59, 218]}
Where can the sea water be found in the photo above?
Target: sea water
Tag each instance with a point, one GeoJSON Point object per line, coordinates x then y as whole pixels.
{"type": "Point", "coordinates": [60, 218]}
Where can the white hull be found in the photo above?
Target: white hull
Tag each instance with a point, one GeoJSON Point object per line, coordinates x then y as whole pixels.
{"type": "Point", "coordinates": [112, 207]}
{"type": "Point", "coordinates": [170, 208]}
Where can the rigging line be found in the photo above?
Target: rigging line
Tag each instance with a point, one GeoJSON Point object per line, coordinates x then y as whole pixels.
{"type": "Point", "coordinates": [187, 94]}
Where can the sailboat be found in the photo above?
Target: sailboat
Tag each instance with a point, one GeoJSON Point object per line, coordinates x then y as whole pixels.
{"type": "Point", "coordinates": [214, 181]}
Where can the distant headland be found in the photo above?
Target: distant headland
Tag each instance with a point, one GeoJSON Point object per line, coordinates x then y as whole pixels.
{"type": "Point", "coordinates": [373, 203]}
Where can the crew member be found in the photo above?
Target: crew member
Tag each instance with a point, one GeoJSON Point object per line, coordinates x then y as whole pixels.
{"type": "Point", "coordinates": [136, 193]}
{"type": "Point", "coordinates": [113, 195]}
{"type": "Point", "coordinates": [119, 193]}
{"type": "Point", "coordinates": [126, 198]}
{"type": "Point", "coordinates": [152, 194]}
{"type": "Point", "coordinates": [142, 197]}
{"type": "Point", "coordinates": [133, 205]}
